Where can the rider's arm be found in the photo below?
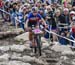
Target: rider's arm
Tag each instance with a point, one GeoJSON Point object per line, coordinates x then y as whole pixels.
{"type": "Point", "coordinates": [43, 21]}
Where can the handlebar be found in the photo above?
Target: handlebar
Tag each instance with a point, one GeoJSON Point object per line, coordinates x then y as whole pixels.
{"type": "Point", "coordinates": [37, 31]}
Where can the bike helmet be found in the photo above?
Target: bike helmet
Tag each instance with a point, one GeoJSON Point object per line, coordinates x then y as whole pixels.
{"type": "Point", "coordinates": [34, 9]}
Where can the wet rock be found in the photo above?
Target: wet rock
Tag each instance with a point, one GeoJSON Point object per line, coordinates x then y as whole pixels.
{"type": "Point", "coordinates": [18, 48]}
{"type": "Point", "coordinates": [51, 60]}
{"type": "Point", "coordinates": [9, 33]}
{"type": "Point", "coordinates": [28, 59]}
{"type": "Point", "coordinates": [60, 48]}
{"type": "Point", "coordinates": [15, 56]}
{"type": "Point", "coordinates": [67, 62]}
{"type": "Point", "coordinates": [44, 45]}
{"type": "Point", "coordinates": [47, 51]}
{"type": "Point", "coordinates": [64, 58]}
{"type": "Point", "coordinates": [4, 48]}
{"type": "Point", "coordinates": [17, 63]}
{"type": "Point", "coordinates": [43, 40]}
{"type": "Point", "coordinates": [19, 30]}
{"type": "Point", "coordinates": [73, 62]}
{"type": "Point", "coordinates": [4, 63]}
{"type": "Point", "coordinates": [4, 57]}
{"type": "Point", "coordinates": [32, 59]}
{"type": "Point", "coordinates": [23, 37]}
{"type": "Point", "coordinates": [68, 53]}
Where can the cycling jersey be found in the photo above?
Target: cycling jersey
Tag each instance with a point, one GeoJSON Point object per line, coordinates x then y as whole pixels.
{"type": "Point", "coordinates": [33, 22]}
{"type": "Point", "coordinates": [37, 17]}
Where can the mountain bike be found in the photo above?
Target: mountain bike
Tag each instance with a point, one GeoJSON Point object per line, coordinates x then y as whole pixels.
{"type": "Point", "coordinates": [37, 33]}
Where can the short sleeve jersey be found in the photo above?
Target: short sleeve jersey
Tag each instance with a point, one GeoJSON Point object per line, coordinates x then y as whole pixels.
{"type": "Point", "coordinates": [38, 16]}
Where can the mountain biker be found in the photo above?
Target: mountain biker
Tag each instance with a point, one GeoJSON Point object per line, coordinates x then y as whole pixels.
{"type": "Point", "coordinates": [33, 19]}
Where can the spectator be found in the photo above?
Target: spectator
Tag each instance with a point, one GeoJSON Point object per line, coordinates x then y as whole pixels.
{"type": "Point", "coordinates": [72, 17]}
{"type": "Point", "coordinates": [66, 16]}
{"type": "Point", "coordinates": [73, 3]}
{"type": "Point", "coordinates": [14, 13]}
{"type": "Point", "coordinates": [72, 36]}
{"type": "Point", "coordinates": [1, 7]}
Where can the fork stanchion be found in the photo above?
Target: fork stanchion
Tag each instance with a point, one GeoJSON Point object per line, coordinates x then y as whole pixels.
{"type": "Point", "coordinates": [50, 26]}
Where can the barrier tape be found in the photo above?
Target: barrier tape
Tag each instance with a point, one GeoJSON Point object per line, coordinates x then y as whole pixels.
{"type": "Point", "coordinates": [45, 29]}
{"type": "Point", "coordinates": [60, 36]}
{"type": "Point", "coordinates": [5, 12]}
{"type": "Point", "coordinates": [10, 15]}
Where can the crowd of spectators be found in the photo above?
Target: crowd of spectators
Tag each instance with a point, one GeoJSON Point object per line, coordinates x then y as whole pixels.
{"type": "Point", "coordinates": [58, 15]}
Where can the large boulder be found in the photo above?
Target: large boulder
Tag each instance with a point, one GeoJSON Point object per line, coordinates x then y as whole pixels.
{"type": "Point", "coordinates": [17, 48]}
{"type": "Point", "coordinates": [60, 48]}
{"type": "Point", "coordinates": [68, 52]}
{"type": "Point", "coordinates": [4, 57]}
{"type": "Point", "coordinates": [45, 45]}
{"type": "Point", "coordinates": [4, 63]}
{"type": "Point", "coordinates": [44, 40]}
{"type": "Point", "coordinates": [32, 59]}
{"type": "Point", "coordinates": [16, 56]}
{"type": "Point", "coordinates": [23, 37]}
{"type": "Point", "coordinates": [28, 58]}
{"type": "Point", "coordinates": [4, 48]}
{"type": "Point", "coordinates": [18, 30]}
{"type": "Point", "coordinates": [73, 62]}
{"type": "Point", "coordinates": [17, 63]}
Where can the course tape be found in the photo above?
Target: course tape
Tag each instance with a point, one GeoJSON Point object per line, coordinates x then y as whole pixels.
{"type": "Point", "coordinates": [5, 12]}
{"type": "Point", "coordinates": [10, 15]}
{"type": "Point", "coordinates": [60, 36]}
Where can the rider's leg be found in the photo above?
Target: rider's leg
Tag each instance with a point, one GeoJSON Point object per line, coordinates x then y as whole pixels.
{"type": "Point", "coordinates": [30, 38]}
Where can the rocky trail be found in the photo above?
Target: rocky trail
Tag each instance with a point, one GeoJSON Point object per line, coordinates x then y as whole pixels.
{"type": "Point", "coordinates": [15, 50]}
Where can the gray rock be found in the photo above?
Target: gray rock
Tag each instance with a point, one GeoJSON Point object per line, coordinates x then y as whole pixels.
{"type": "Point", "coordinates": [33, 59]}
{"type": "Point", "coordinates": [43, 40]}
{"type": "Point", "coordinates": [64, 58]}
{"type": "Point", "coordinates": [16, 56]}
{"type": "Point", "coordinates": [4, 63]}
{"type": "Point", "coordinates": [17, 63]}
{"type": "Point", "coordinates": [18, 48]}
{"type": "Point", "coordinates": [28, 59]}
{"type": "Point", "coordinates": [23, 37]}
{"type": "Point", "coordinates": [68, 53]}
{"type": "Point", "coordinates": [45, 45]}
{"type": "Point", "coordinates": [4, 57]}
{"type": "Point", "coordinates": [60, 48]}
{"type": "Point", "coordinates": [4, 48]}
{"type": "Point", "coordinates": [73, 62]}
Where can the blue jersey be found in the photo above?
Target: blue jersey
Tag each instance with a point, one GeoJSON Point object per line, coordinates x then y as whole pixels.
{"type": "Point", "coordinates": [38, 16]}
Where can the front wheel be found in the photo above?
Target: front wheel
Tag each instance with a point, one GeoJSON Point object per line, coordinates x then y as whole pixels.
{"type": "Point", "coordinates": [38, 40]}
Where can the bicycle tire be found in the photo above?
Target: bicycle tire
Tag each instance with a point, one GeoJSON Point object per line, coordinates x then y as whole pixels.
{"type": "Point", "coordinates": [39, 45]}
{"type": "Point", "coordinates": [35, 48]}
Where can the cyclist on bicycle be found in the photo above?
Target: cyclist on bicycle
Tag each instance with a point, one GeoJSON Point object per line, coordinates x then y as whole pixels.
{"type": "Point", "coordinates": [34, 18]}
